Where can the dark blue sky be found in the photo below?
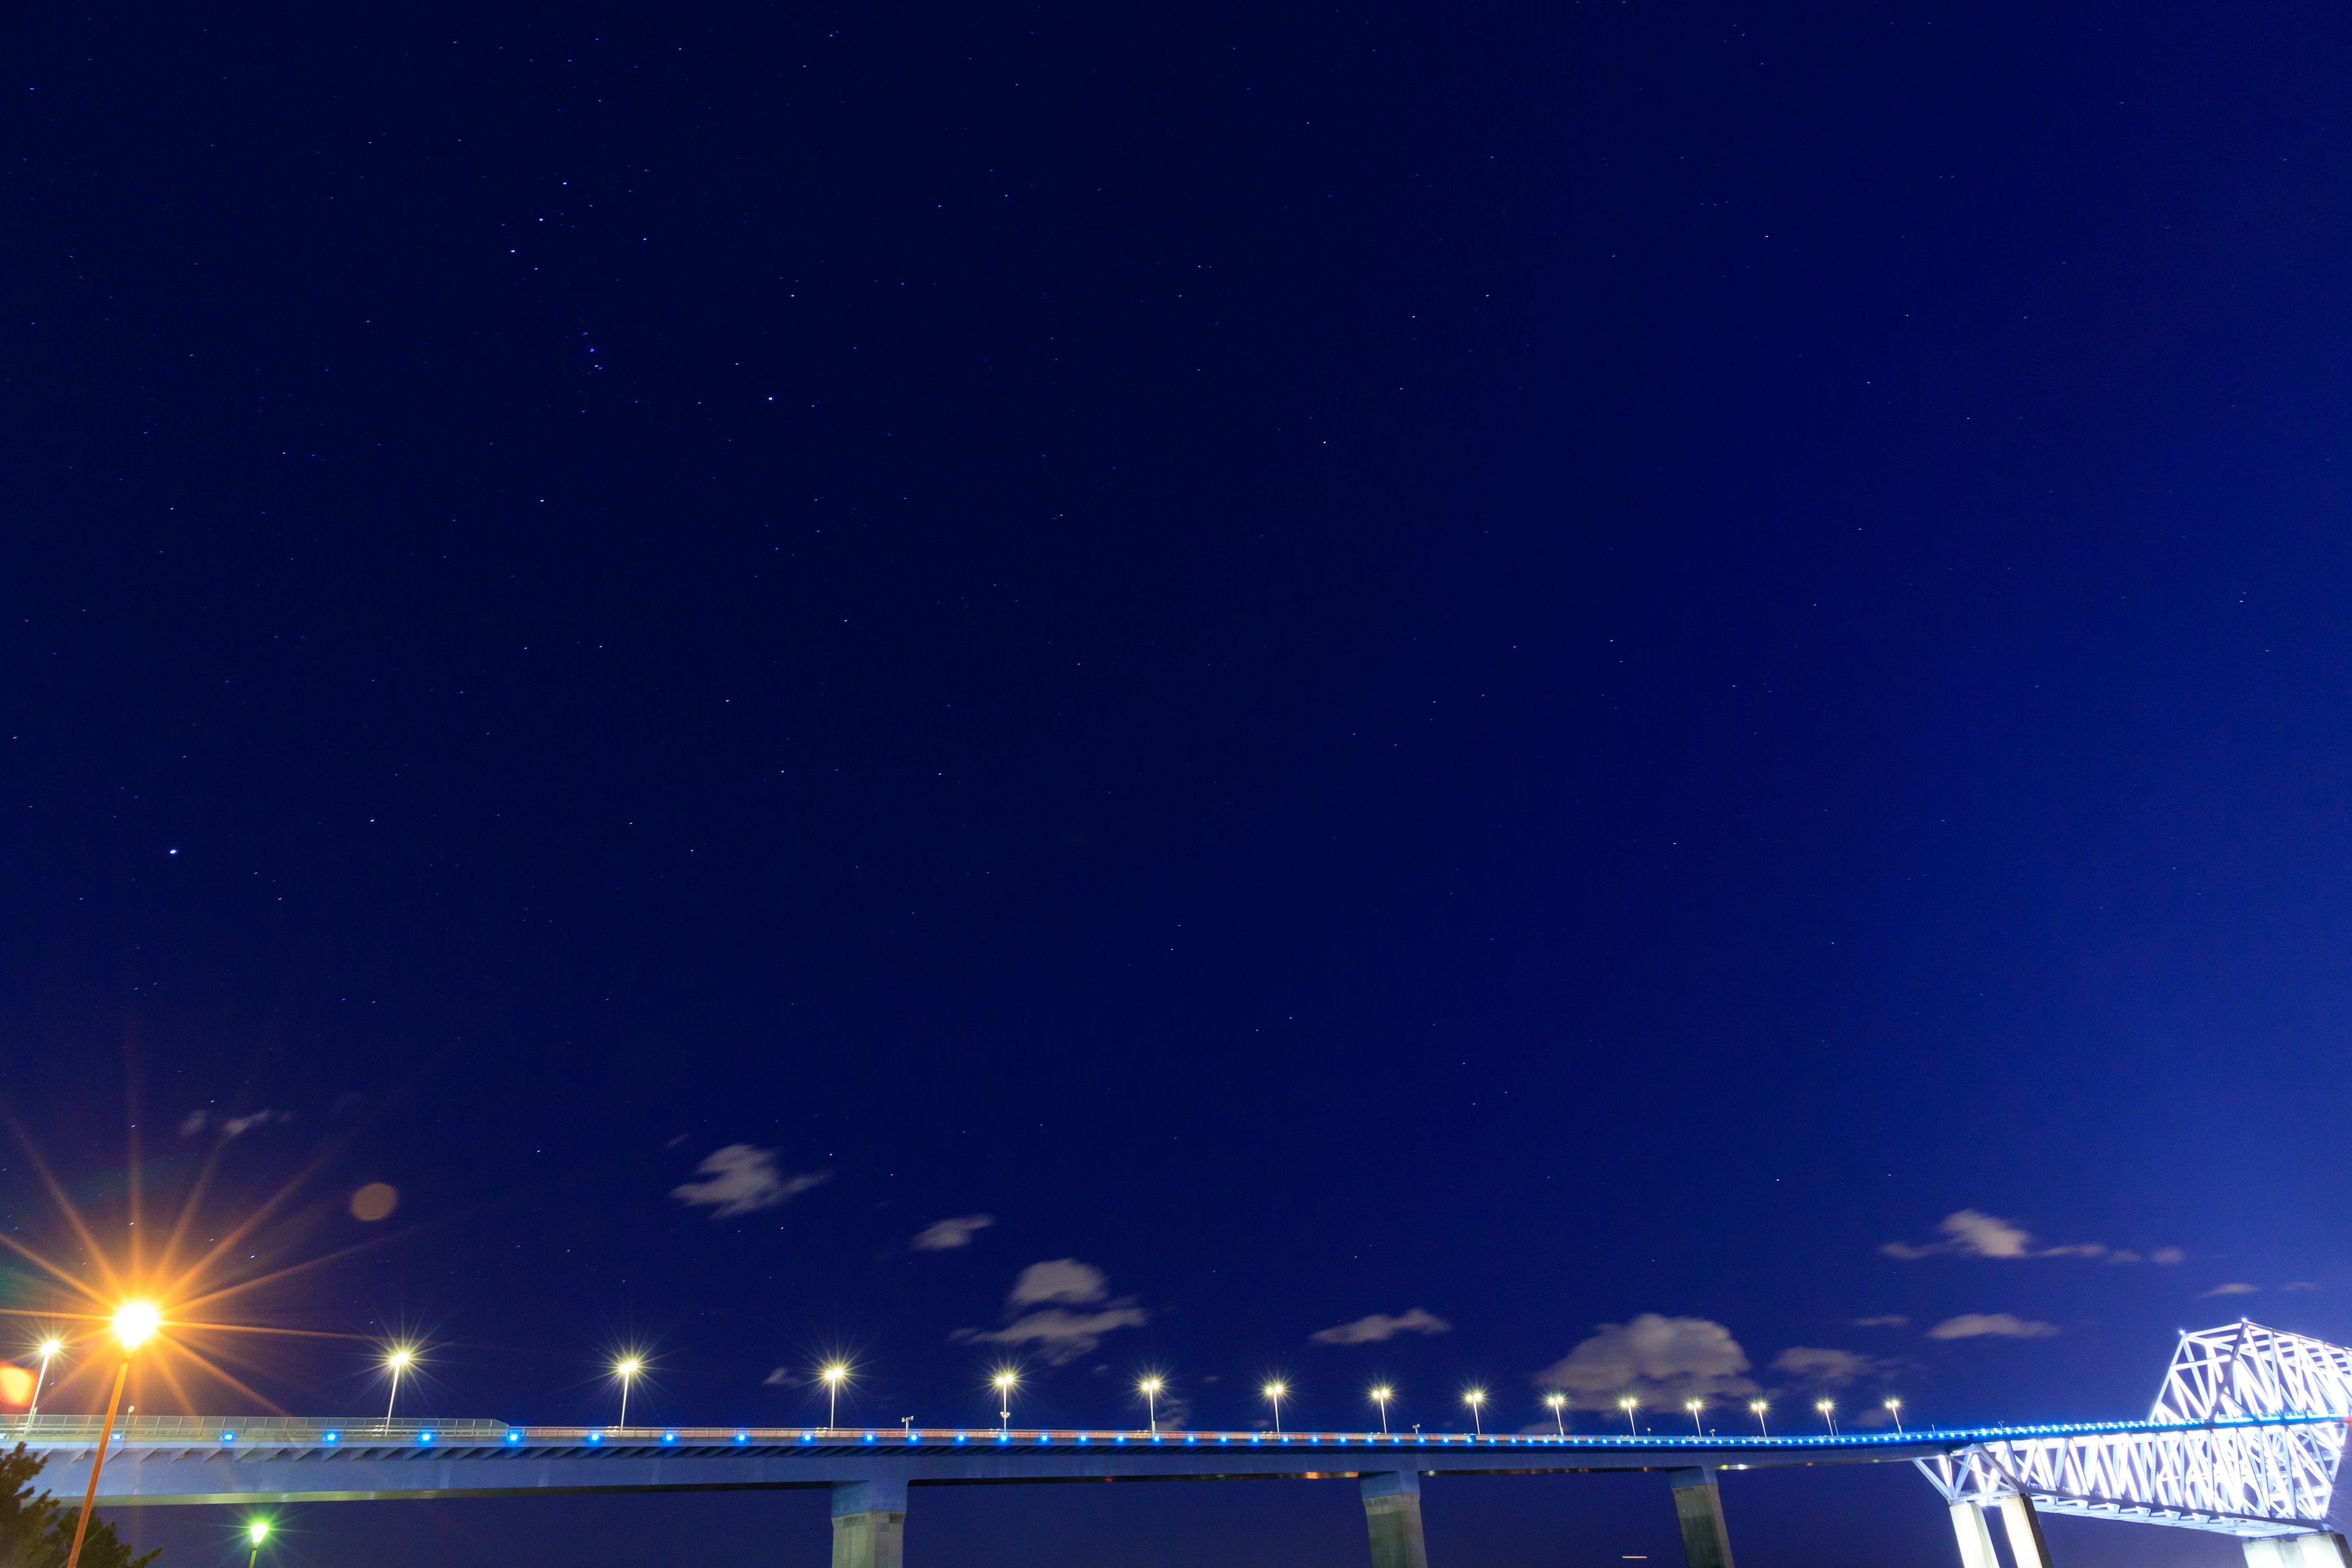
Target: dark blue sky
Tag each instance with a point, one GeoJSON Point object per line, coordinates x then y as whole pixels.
{"type": "Point", "coordinates": [1537, 664]}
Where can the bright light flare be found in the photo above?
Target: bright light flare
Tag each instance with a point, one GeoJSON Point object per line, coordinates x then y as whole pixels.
{"type": "Point", "coordinates": [1004, 1381]}
{"type": "Point", "coordinates": [51, 1347]}
{"type": "Point", "coordinates": [628, 1367]}
{"type": "Point", "coordinates": [1277, 1390]}
{"type": "Point", "coordinates": [399, 1358]}
{"type": "Point", "coordinates": [257, 1531]}
{"type": "Point", "coordinates": [834, 1372]}
{"type": "Point", "coordinates": [135, 1323]}
{"type": "Point", "coordinates": [1150, 1385]}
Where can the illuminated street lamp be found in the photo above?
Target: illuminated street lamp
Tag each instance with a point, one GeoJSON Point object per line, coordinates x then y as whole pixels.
{"type": "Point", "coordinates": [1895, 1409]}
{"type": "Point", "coordinates": [1829, 1414]}
{"type": "Point", "coordinates": [1381, 1396]}
{"type": "Point", "coordinates": [833, 1376]}
{"type": "Point", "coordinates": [1149, 1388]}
{"type": "Point", "coordinates": [399, 1359]}
{"type": "Point", "coordinates": [1627, 1405]}
{"type": "Point", "coordinates": [135, 1322]}
{"type": "Point", "coordinates": [1558, 1403]}
{"type": "Point", "coordinates": [1757, 1408]}
{"type": "Point", "coordinates": [49, 1348]}
{"type": "Point", "coordinates": [1474, 1399]}
{"type": "Point", "coordinates": [627, 1369]}
{"type": "Point", "coordinates": [1694, 1406]}
{"type": "Point", "coordinates": [257, 1532]}
{"type": "Point", "coordinates": [1005, 1382]}
{"type": "Point", "coordinates": [1274, 1393]}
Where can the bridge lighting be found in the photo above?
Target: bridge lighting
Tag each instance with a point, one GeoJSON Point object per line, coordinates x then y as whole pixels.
{"type": "Point", "coordinates": [1694, 1406]}
{"type": "Point", "coordinates": [1474, 1399]}
{"type": "Point", "coordinates": [1627, 1405]}
{"type": "Point", "coordinates": [1558, 1403]}
{"type": "Point", "coordinates": [833, 1376]}
{"type": "Point", "coordinates": [1757, 1408]}
{"type": "Point", "coordinates": [1829, 1414]}
{"type": "Point", "coordinates": [627, 1369]}
{"type": "Point", "coordinates": [1274, 1393]}
{"type": "Point", "coordinates": [1895, 1409]}
{"type": "Point", "coordinates": [1149, 1388]}
{"type": "Point", "coordinates": [397, 1359]}
{"type": "Point", "coordinates": [1381, 1396]}
{"type": "Point", "coordinates": [1006, 1381]}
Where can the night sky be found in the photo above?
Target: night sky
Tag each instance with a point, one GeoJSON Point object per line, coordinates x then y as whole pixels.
{"type": "Point", "coordinates": [1610, 696]}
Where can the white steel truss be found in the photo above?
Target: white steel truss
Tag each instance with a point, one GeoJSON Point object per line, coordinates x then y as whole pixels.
{"type": "Point", "coordinates": [2251, 1427]}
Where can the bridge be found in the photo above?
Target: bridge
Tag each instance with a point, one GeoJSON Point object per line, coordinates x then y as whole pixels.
{"type": "Point", "coordinates": [2244, 1441]}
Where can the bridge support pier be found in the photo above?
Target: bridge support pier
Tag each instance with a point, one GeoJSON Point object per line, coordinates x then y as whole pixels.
{"type": "Point", "coordinates": [869, 1524]}
{"type": "Point", "coordinates": [1698, 1508]}
{"type": "Point", "coordinates": [2320, 1549]}
{"type": "Point", "coordinates": [1393, 1514]}
{"type": "Point", "coordinates": [2023, 1528]}
{"type": "Point", "coordinates": [1976, 1538]}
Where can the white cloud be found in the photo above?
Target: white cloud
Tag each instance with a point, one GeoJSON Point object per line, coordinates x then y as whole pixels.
{"type": "Point", "coordinates": [1969, 1233]}
{"type": "Point", "coordinates": [1379, 1328]}
{"type": "Point", "coordinates": [1819, 1367]}
{"type": "Point", "coordinates": [1657, 1359]}
{"type": "Point", "coordinates": [1998, 1325]}
{"type": "Point", "coordinates": [1058, 1335]}
{"type": "Point", "coordinates": [2301, 1284]}
{"type": "Point", "coordinates": [2238, 1287]}
{"type": "Point", "coordinates": [2167, 1255]}
{"type": "Point", "coordinates": [743, 1180]}
{"type": "Point", "coordinates": [943, 1234]}
{"type": "Point", "coordinates": [196, 1121]}
{"type": "Point", "coordinates": [786, 1377]}
{"type": "Point", "coordinates": [1884, 1320]}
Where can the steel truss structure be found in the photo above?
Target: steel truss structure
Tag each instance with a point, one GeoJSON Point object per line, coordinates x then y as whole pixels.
{"type": "Point", "coordinates": [2261, 1424]}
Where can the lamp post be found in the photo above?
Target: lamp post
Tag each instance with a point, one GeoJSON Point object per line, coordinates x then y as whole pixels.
{"type": "Point", "coordinates": [1895, 1409]}
{"type": "Point", "coordinates": [1626, 1405]}
{"type": "Point", "coordinates": [833, 1376]}
{"type": "Point", "coordinates": [1694, 1406]}
{"type": "Point", "coordinates": [396, 1362]}
{"type": "Point", "coordinates": [1004, 1385]}
{"type": "Point", "coordinates": [1474, 1399]}
{"type": "Point", "coordinates": [1381, 1396]}
{"type": "Point", "coordinates": [1757, 1408]}
{"type": "Point", "coordinates": [1274, 1393]}
{"type": "Point", "coordinates": [135, 1323]}
{"type": "Point", "coordinates": [257, 1532]}
{"type": "Point", "coordinates": [1150, 1389]}
{"type": "Point", "coordinates": [627, 1369]}
{"type": "Point", "coordinates": [49, 1348]}
{"type": "Point", "coordinates": [1829, 1414]}
{"type": "Point", "coordinates": [1558, 1403]}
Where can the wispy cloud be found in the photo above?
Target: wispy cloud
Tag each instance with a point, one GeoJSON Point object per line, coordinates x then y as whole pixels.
{"type": "Point", "coordinates": [1057, 1334]}
{"type": "Point", "coordinates": [740, 1179]}
{"type": "Point", "coordinates": [1993, 1325]}
{"type": "Point", "coordinates": [942, 1235]}
{"type": "Point", "coordinates": [1656, 1358]}
{"type": "Point", "coordinates": [196, 1122]}
{"type": "Point", "coordinates": [2236, 1288]}
{"type": "Point", "coordinates": [1379, 1328]}
{"type": "Point", "coordinates": [2301, 1284]}
{"type": "Point", "coordinates": [2167, 1255]}
{"type": "Point", "coordinates": [786, 1377]}
{"type": "Point", "coordinates": [1884, 1320]}
{"type": "Point", "coordinates": [1970, 1233]}
{"type": "Point", "coordinates": [1817, 1366]}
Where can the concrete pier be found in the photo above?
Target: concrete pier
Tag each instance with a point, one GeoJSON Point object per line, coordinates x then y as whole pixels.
{"type": "Point", "coordinates": [869, 1523]}
{"type": "Point", "coordinates": [2320, 1549]}
{"type": "Point", "coordinates": [1393, 1514]}
{"type": "Point", "coordinates": [1698, 1507]}
{"type": "Point", "coordinates": [2023, 1528]}
{"type": "Point", "coordinates": [1976, 1538]}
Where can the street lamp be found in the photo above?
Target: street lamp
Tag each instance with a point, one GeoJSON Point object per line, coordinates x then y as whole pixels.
{"type": "Point", "coordinates": [1558, 1403]}
{"type": "Point", "coordinates": [1274, 1392]}
{"type": "Point", "coordinates": [397, 1361]}
{"type": "Point", "coordinates": [1757, 1408]}
{"type": "Point", "coordinates": [1474, 1399]}
{"type": "Point", "coordinates": [1005, 1381]}
{"type": "Point", "coordinates": [1626, 1405]}
{"type": "Point", "coordinates": [627, 1369]}
{"type": "Point", "coordinates": [1149, 1388]}
{"type": "Point", "coordinates": [1895, 1409]}
{"type": "Point", "coordinates": [833, 1376]}
{"type": "Point", "coordinates": [257, 1532]}
{"type": "Point", "coordinates": [135, 1322]}
{"type": "Point", "coordinates": [1381, 1396]}
{"type": "Point", "coordinates": [1829, 1414]}
{"type": "Point", "coordinates": [49, 1348]}
{"type": "Point", "coordinates": [1694, 1406]}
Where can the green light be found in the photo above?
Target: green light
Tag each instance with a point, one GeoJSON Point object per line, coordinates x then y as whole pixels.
{"type": "Point", "coordinates": [256, 1529]}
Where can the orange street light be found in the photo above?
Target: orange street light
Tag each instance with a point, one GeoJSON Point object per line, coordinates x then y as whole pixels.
{"type": "Point", "coordinates": [135, 1322]}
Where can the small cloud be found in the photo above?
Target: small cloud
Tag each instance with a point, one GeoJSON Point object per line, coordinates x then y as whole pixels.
{"type": "Point", "coordinates": [2121, 1255]}
{"type": "Point", "coordinates": [1884, 1320]}
{"type": "Point", "coordinates": [742, 1180]}
{"type": "Point", "coordinates": [2301, 1284]}
{"type": "Point", "coordinates": [2235, 1288]}
{"type": "Point", "coordinates": [1058, 1335]}
{"type": "Point", "coordinates": [196, 1121]}
{"type": "Point", "coordinates": [677, 1141]}
{"type": "Point", "coordinates": [1970, 1233]}
{"type": "Point", "coordinates": [786, 1377]}
{"type": "Point", "coordinates": [947, 1234]}
{"type": "Point", "coordinates": [1993, 1325]}
{"type": "Point", "coordinates": [1820, 1367]}
{"type": "Point", "coordinates": [2167, 1255]}
{"type": "Point", "coordinates": [1657, 1359]}
{"type": "Point", "coordinates": [1379, 1328]}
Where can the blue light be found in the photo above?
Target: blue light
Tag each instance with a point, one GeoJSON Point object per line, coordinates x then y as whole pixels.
{"type": "Point", "coordinates": [1005, 1437]}
{"type": "Point", "coordinates": [742, 1437]}
{"type": "Point", "coordinates": [228, 1437]}
{"type": "Point", "coordinates": [1190, 1437]}
{"type": "Point", "coordinates": [335, 1436]}
{"type": "Point", "coordinates": [959, 1436]}
{"type": "Point", "coordinates": [1120, 1438]}
{"type": "Point", "coordinates": [808, 1437]}
{"type": "Point", "coordinates": [514, 1437]}
{"type": "Point", "coordinates": [425, 1436]}
{"type": "Point", "coordinates": [870, 1436]}
{"type": "Point", "coordinates": [1042, 1437]}
{"type": "Point", "coordinates": [595, 1436]}
{"type": "Point", "coordinates": [1082, 1437]}
{"type": "Point", "coordinates": [669, 1436]}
